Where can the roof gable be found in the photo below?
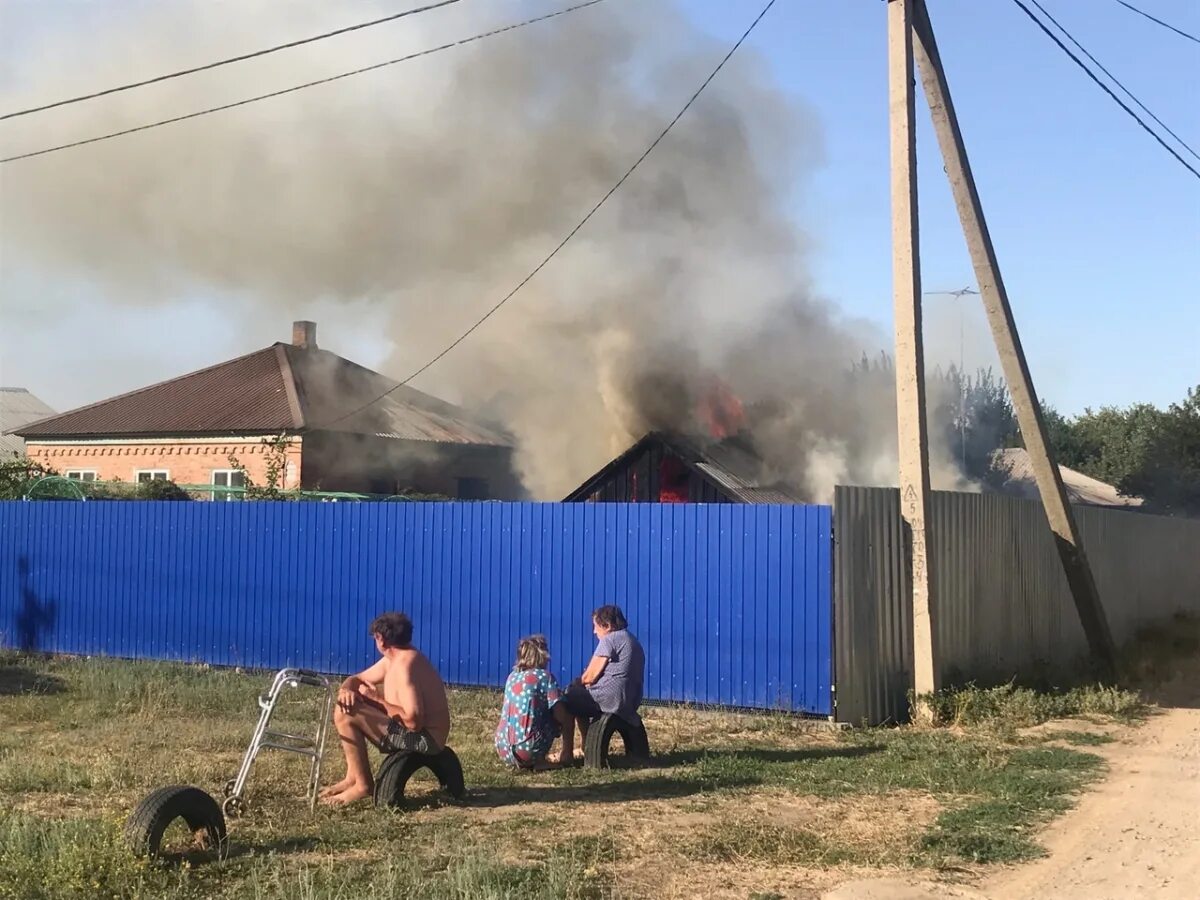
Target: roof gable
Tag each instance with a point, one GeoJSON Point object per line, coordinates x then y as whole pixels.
{"type": "Point", "coordinates": [730, 465]}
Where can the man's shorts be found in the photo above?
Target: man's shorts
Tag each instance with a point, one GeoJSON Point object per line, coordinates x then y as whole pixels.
{"type": "Point", "coordinates": [399, 738]}
{"type": "Point", "coordinates": [581, 704]}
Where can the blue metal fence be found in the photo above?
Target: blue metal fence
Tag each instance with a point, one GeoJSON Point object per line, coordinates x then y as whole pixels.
{"type": "Point", "coordinates": [732, 603]}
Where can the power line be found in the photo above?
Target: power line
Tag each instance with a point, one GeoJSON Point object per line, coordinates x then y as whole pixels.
{"type": "Point", "coordinates": [574, 231]}
{"type": "Point", "coordinates": [225, 62]}
{"type": "Point", "coordinates": [1116, 80]}
{"type": "Point", "coordinates": [298, 87]}
{"type": "Point", "coordinates": [1190, 37]}
{"type": "Point", "coordinates": [1092, 75]}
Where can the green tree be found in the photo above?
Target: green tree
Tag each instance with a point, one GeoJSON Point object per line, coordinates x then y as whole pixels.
{"type": "Point", "coordinates": [1061, 434]}
{"type": "Point", "coordinates": [1142, 450]}
{"type": "Point", "coordinates": [1169, 472]}
{"type": "Point", "coordinates": [1115, 443]}
{"type": "Point", "coordinates": [19, 474]}
{"type": "Point", "coordinates": [275, 456]}
{"type": "Point", "coordinates": [974, 415]}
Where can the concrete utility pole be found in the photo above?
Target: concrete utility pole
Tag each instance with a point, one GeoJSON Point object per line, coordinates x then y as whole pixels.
{"type": "Point", "coordinates": [1004, 329]}
{"type": "Point", "coordinates": [910, 350]}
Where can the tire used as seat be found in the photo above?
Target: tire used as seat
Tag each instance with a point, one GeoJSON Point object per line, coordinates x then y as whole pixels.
{"type": "Point", "coordinates": [399, 767]}
{"type": "Point", "coordinates": [600, 734]}
{"type": "Point", "coordinates": [150, 818]}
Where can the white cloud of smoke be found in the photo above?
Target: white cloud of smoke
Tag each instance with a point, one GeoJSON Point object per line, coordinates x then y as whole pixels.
{"type": "Point", "coordinates": [427, 190]}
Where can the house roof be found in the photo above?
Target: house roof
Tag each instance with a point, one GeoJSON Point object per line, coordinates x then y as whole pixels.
{"type": "Point", "coordinates": [18, 407]}
{"type": "Point", "coordinates": [1016, 468]}
{"type": "Point", "coordinates": [283, 387]}
{"type": "Point", "coordinates": [732, 465]}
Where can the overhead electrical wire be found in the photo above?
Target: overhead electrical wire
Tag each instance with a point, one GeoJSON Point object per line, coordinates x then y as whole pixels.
{"type": "Point", "coordinates": [1115, 80]}
{"type": "Point", "coordinates": [1167, 25]}
{"type": "Point", "coordinates": [570, 234]}
{"type": "Point", "coordinates": [1092, 75]}
{"type": "Point", "coordinates": [225, 62]}
{"type": "Point", "coordinates": [299, 87]}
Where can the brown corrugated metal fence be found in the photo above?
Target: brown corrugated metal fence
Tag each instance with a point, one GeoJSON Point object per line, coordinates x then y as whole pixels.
{"type": "Point", "coordinates": [1003, 607]}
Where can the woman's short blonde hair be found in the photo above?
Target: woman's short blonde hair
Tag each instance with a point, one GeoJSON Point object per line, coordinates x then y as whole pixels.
{"type": "Point", "coordinates": [533, 652]}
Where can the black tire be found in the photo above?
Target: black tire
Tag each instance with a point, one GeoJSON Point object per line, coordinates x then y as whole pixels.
{"type": "Point", "coordinates": [146, 824]}
{"type": "Point", "coordinates": [600, 734]}
{"type": "Point", "coordinates": [398, 768]}
{"type": "Point", "coordinates": [449, 773]}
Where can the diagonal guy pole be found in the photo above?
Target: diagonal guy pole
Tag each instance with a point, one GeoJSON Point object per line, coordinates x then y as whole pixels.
{"type": "Point", "coordinates": [912, 427]}
{"type": "Point", "coordinates": [1008, 343]}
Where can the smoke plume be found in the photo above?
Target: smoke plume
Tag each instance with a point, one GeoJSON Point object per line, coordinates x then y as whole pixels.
{"type": "Point", "coordinates": [427, 190]}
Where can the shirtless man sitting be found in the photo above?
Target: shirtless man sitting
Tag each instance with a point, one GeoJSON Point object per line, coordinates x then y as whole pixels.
{"type": "Point", "coordinates": [397, 704]}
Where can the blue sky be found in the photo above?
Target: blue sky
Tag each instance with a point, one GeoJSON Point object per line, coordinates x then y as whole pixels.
{"type": "Point", "coordinates": [1096, 227]}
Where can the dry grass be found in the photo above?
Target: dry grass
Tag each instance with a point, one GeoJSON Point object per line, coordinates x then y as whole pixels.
{"type": "Point", "coordinates": [733, 805]}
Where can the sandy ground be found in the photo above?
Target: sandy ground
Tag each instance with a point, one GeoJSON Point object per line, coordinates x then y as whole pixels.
{"type": "Point", "coordinates": [1135, 835]}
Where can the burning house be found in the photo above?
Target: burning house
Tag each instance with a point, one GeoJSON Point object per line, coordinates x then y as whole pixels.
{"type": "Point", "coordinates": [672, 468]}
{"type": "Point", "coordinates": [720, 463]}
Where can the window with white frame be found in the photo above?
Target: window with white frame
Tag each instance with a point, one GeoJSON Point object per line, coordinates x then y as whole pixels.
{"type": "Point", "coordinates": [141, 476]}
{"type": "Point", "coordinates": [228, 478]}
{"type": "Point", "coordinates": [81, 474]}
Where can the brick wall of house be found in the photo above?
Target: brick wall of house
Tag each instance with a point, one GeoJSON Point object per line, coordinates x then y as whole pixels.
{"type": "Point", "coordinates": [186, 461]}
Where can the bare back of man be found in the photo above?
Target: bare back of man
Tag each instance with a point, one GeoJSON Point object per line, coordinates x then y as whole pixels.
{"type": "Point", "coordinates": [411, 680]}
{"type": "Point", "coordinates": [398, 703]}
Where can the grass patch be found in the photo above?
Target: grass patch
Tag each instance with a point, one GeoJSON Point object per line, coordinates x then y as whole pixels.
{"type": "Point", "coordinates": [469, 875]}
{"type": "Point", "coordinates": [1081, 738]}
{"type": "Point", "coordinates": [76, 858]}
{"type": "Point", "coordinates": [20, 774]}
{"type": "Point", "coordinates": [1018, 707]}
{"type": "Point", "coordinates": [1024, 792]}
{"type": "Point", "coordinates": [1153, 656]}
{"type": "Point", "coordinates": [998, 792]}
{"type": "Point", "coordinates": [1156, 655]}
{"type": "Point", "coordinates": [762, 841]}
{"type": "Point", "coordinates": [85, 740]}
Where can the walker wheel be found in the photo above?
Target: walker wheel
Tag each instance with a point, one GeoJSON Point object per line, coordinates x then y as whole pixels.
{"type": "Point", "coordinates": [229, 785]}
{"type": "Point", "coordinates": [234, 807]}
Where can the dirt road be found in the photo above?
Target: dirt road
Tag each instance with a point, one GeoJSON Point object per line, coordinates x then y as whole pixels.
{"type": "Point", "coordinates": [1137, 834]}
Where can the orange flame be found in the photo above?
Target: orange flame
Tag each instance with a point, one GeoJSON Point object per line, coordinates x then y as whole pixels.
{"type": "Point", "coordinates": [721, 412]}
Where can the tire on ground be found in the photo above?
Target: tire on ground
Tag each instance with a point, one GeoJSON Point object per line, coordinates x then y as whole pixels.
{"type": "Point", "coordinates": [145, 826]}
{"type": "Point", "coordinates": [600, 734]}
{"type": "Point", "coordinates": [398, 768]}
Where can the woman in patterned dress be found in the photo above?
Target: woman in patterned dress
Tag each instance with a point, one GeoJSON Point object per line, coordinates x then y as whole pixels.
{"type": "Point", "coordinates": [533, 713]}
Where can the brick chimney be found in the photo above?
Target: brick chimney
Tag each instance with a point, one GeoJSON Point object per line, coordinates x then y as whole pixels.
{"type": "Point", "coordinates": [304, 334]}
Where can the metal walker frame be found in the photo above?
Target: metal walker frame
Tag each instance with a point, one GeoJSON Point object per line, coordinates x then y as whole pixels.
{"type": "Point", "coordinates": [313, 747]}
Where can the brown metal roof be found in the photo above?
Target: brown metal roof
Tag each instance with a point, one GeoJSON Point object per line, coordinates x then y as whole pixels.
{"type": "Point", "coordinates": [279, 388]}
{"type": "Point", "coordinates": [329, 386]}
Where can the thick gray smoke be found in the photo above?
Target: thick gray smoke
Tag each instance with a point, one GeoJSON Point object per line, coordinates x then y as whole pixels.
{"type": "Point", "coordinates": [427, 190]}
